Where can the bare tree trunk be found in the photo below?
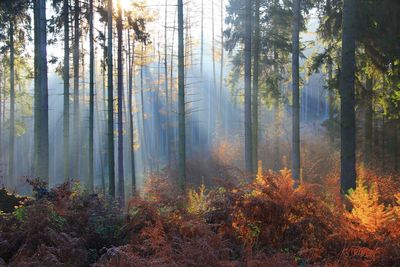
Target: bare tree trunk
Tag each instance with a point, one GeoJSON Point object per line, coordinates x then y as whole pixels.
{"type": "Point", "coordinates": [121, 181]}
{"type": "Point", "coordinates": [202, 40]}
{"type": "Point", "coordinates": [76, 89]}
{"type": "Point", "coordinates": [144, 134]}
{"type": "Point", "coordinates": [12, 107]}
{"type": "Point", "coordinates": [181, 99]}
{"type": "Point", "coordinates": [256, 58]}
{"type": "Point", "coordinates": [130, 107]}
{"type": "Point", "coordinates": [296, 93]}
{"type": "Point", "coordinates": [41, 122]}
{"type": "Point", "coordinates": [348, 129]}
{"type": "Point", "coordinates": [1, 113]}
{"type": "Point", "coordinates": [247, 88]}
{"type": "Point", "coordinates": [167, 126]}
{"type": "Point", "coordinates": [66, 91]}
{"type": "Point", "coordinates": [91, 99]}
{"type": "Point", "coordinates": [221, 77]}
{"type": "Point", "coordinates": [104, 71]}
{"type": "Point", "coordinates": [331, 101]}
{"type": "Point", "coordinates": [111, 163]}
{"type": "Point", "coordinates": [157, 120]}
{"type": "Point", "coordinates": [214, 89]}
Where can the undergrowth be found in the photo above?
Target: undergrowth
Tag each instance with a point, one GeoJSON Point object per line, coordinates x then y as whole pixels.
{"type": "Point", "coordinates": [254, 222]}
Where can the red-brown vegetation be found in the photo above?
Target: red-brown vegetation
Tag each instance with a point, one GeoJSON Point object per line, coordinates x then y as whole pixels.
{"type": "Point", "coordinates": [261, 222]}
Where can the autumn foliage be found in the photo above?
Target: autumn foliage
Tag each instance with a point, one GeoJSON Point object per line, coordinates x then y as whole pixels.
{"type": "Point", "coordinates": [261, 222]}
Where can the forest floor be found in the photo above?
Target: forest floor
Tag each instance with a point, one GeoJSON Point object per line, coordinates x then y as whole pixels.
{"type": "Point", "coordinates": [247, 222]}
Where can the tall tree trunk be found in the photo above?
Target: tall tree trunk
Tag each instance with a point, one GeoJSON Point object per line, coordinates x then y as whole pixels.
{"type": "Point", "coordinates": [348, 129]}
{"type": "Point", "coordinates": [173, 133]}
{"type": "Point", "coordinates": [247, 88]}
{"type": "Point", "coordinates": [41, 122]}
{"type": "Point", "coordinates": [368, 122]}
{"type": "Point", "coordinates": [121, 181]}
{"type": "Point", "coordinates": [331, 93]}
{"type": "Point", "coordinates": [181, 99]}
{"type": "Point", "coordinates": [110, 122]}
{"type": "Point", "coordinates": [256, 59]}
{"type": "Point", "coordinates": [277, 117]}
{"type": "Point", "coordinates": [66, 91]}
{"type": "Point", "coordinates": [104, 100]}
{"type": "Point", "coordinates": [214, 89]}
{"type": "Point", "coordinates": [296, 92]}
{"type": "Point", "coordinates": [202, 39]}
{"type": "Point", "coordinates": [131, 58]}
{"type": "Point", "coordinates": [331, 100]}
{"type": "Point", "coordinates": [167, 126]}
{"type": "Point", "coordinates": [144, 133]}
{"type": "Point", "coordinates": [157, 121]}
{"type": "Point", "coordinates": [91, 99]}
{"type": "Point", "coordinates": [1, 113]}
{"type": "Point", "coordinates": [76, 88]}
{"type": "Point", "coordinates": [221, 77]}
{"type": "Point", "coordinates": [12, 107]}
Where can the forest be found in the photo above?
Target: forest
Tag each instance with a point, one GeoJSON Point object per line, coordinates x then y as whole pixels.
{"type": "Point", "coordinates": [199, 133]}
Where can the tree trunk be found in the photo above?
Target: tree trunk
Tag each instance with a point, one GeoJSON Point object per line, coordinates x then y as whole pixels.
{"type": "Point", "coordinates": [131, 58]}
{"type": "Point", "coordinates": [221, 75]}
{"type": "Point", "coordinates": [91, 99]}
{"type": "Point", "coordinates": [167, 126]}
{"type": "Point", "coordinates": [247, 88]}
{"type": "Point", "coordinates": [255, 82]}
{"type": "Point", "coordinates": [121, 182]}
{"type": "Point", "coordinates": [331, 103]}
{"type": "Point", "coordinates": [76, 89]}
{"type": "Point", "coordinates": [348, 129]}
{"type": "Point", "coordinates": [66, 92]}
{"type": "Point", "coordinates": [202, 40]}
{"type": "Point", "coordinates": [104, 71]}
{"type": "Point", "coordinates": [1, 113]}
{"type": "Point", "coordinates": [296, 93]}
{"type": "Point", "coordinates": [181, 99]}
{"type": "Point", "coordinates": [214, 89]}
{"type": "Point", "coordinates": [41, 126]}
{"type": "Point", "coordinates": [12, 107]}
{"type": "Point", "coordinates": [111, 166]}
{"type": "Point", "coordinates": [144, 134]}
